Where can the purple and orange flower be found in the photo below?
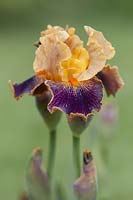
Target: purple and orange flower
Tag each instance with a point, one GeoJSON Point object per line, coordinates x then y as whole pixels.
{"type": "Point", "coordinates": [73, 74]}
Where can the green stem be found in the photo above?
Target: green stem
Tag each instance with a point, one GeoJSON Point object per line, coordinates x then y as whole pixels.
{"type": "Point", "coordinates": [52, 151]}
{"type": "Point", "coordinates": [76, 154]}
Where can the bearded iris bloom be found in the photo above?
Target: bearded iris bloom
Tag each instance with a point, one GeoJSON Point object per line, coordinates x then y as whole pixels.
{"type": "Point", "coordinates": [74, 75]}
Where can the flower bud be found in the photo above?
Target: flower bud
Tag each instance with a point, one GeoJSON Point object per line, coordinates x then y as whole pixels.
{"type": "Point", "coordinates": [85, 187]}
{"type": "Point", "coordinates": [37, 179]}
{"type": "Point", "coordinates": [78, 123]}
{"type": "Point", "coordinates": [51, 120]}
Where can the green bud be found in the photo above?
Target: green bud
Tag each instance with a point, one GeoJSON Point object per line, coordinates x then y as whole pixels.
{"type": "Point", "coordinates": [51, 120]}
{"type": "Point", "coordinates": [78, 123]}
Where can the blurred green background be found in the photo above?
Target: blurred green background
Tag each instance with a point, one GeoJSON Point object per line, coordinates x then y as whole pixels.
{"type": "Point", "coordinates": [21, 127]}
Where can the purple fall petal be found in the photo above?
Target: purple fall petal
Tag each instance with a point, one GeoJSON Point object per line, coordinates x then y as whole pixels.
{"type": "Point", "coordinates": [28, 86]}
{"type": "Point", "coordinates": [80, 100]}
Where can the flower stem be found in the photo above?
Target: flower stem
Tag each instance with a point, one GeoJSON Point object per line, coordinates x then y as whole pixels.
{"type": "Point", "coordinates": [52, 150]}
{"type": "Point", "coordinates": [76, 154]}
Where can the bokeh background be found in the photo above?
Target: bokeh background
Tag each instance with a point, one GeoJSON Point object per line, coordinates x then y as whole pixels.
{"type": "Point", "coordinates": [21, 127]}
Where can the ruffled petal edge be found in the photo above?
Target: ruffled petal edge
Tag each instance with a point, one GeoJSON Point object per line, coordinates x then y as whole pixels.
{"type": "Point", "coordinates": [80, 101]}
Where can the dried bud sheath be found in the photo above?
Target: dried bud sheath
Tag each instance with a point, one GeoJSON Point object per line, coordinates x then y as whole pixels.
{"type": "Point", "coordinates": [85, 187]}
{"type": "Point", "coordinates": [37, 181]}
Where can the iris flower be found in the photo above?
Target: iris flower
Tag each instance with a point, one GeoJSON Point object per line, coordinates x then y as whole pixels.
{"type": "Point", "coordinates": [73, 74]}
